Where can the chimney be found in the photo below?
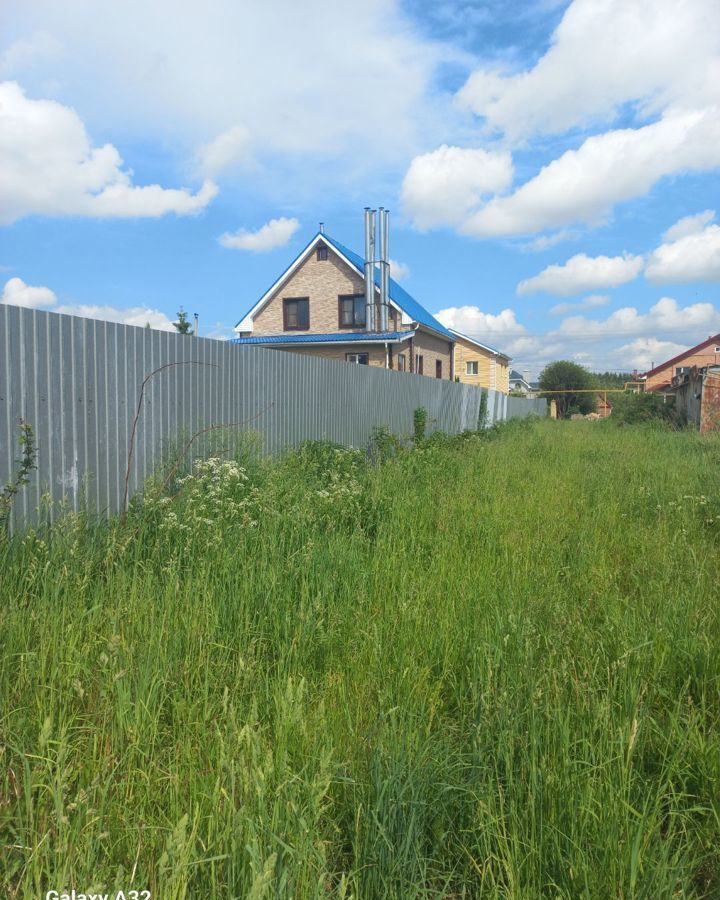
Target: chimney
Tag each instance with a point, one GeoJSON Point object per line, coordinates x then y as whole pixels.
{"type": "Point", "coordinates": [321, 227]}
{"type": "Point", "coordinates": [369, 269]}
{"type": "Point", "coordinates": [526, 377]}
{"type": "Point", "coordinates": [384, 269]}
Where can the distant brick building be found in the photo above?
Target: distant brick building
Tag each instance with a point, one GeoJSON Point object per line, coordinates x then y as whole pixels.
{"type": "Point", "coordinates": [705, 354]}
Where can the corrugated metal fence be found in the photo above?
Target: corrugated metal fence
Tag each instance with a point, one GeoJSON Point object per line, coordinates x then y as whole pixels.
{"type": "Point", "coordinates": [77, 382]}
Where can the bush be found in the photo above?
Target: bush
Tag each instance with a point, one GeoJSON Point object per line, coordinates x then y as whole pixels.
{"type": "Point", "coordinates": [419, 425]}
{"type": "Point", "coordinates": [634, 409]}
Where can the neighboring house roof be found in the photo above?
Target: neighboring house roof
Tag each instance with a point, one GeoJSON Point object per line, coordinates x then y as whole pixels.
{"type": "Point", "coordinates": [397, 294]}
{"type": "Point", "coordinates": [478, 344]}
{"type": "Point", "coordinates": [364, 337]}
{"type": "Point", "coordinates": [713, 339]}
{"type": "Point", "coordinates": [516, 376]}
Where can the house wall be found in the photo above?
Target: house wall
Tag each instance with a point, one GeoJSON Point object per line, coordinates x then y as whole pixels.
{"type": "Point", "coordinates": [493, 372]}
{"type": "Point", "coordinates": [376, 354]}
{"type": "Point", "coordinates": [323, 281]}
{"type": "Point", "coordinates": [705, 357]}
{"type": "Point", "coordinates": [431, 348]}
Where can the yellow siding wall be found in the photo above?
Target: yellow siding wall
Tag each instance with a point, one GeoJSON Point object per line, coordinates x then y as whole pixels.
{"type": "Point", "coordinates": [493, 371]}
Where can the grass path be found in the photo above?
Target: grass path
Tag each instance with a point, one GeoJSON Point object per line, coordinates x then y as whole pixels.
{"type": "Point", "coordinates": [486, 668]}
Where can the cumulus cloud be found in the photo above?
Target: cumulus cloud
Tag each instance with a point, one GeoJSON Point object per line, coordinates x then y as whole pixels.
{"type": "Point", "coordinates": [644, 353]}
{"type": "Point", "coordinates": [583, 273]}
{"type": "Point", "coordinates": [275, 233]}
{"type": "Point", "coordinates": [655, 53]}
{"type": "Point", "coordinates": [594, 301]}
{"type": "Point", "coordinates": [583, 185]}
{"type": "Point", "coordinates": [444, 186]}
{"type": "Point", "coordinates": [688, 225]}
{"type": "Point", "coordinates": [49, 167]}
{"type": "Point", "coordinates": [693, 254]}
{"type": "Point", "coordinates": [17, 293]}
{"type": "Point", "coordinates": [398, 270]}
{"type": "Point", "coordinates": [665, 316]}
{"type": "Point", "coordinates": [230, 149]}
{"type": "Point", "coordinates": [141, 316]}
{"type": "Point", "coordinates": [471, 320]}
{"type": "Point", "coordinates": [190, 72]}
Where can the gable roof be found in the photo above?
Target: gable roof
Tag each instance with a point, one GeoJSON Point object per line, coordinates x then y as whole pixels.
{"type": "Point", "coordinates": [713, 339]}
{"type": "Point", "coordinates": [479, 344]}
{"type": "Point", "coordinates": [397, 294]}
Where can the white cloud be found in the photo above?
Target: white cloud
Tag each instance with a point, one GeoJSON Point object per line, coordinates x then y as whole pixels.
{"type": "Point", "coordinates": [131, 315]}
{"type": "Point", "coordinates": [302, 80]}
{"type": "Point", "coordinates": [583, 185]}
{"type": "Point", "coordinates": [644, 353]}
{"type": "Point", "coordinates": [624, 340]}
{"type": "Point", "coordinates": [694, 256]}
{"type": "Point", "coordinates": [660, 53]}
{"type": "Point", "coordinates": [26, 52]}
{"type": "Point", "coordinates": [49, 167]}
{"type": "Point", "coordinates": [398, 270]}
{"type": "Point", "coordinates": [17, 293]}
{"type": "Point", "coordinates": [228, 150]}
{"type": "Point", "coordinates": [666, 316]}
{"type": "Point", "coordinates": [688, 225]}
{"type": "Point", "coordinates": [444, 186]}
{"type": "Point", "coordinates": [584, 273]}
{"type": "Point", "coordinates": [471, 320]}
{"type": "Point", "coordinates": [275, 233]}
{"type": "Point", "coordinates": [594, 301]}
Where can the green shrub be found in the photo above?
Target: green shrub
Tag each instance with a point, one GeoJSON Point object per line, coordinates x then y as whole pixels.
{"type": "Point", "coordinates": [419, 425]}
{"type": "Point", "coordinates": [634, 409]}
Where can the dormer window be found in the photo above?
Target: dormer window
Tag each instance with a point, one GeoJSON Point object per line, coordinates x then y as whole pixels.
{"type": "Point", "coordinates": [322, 253]}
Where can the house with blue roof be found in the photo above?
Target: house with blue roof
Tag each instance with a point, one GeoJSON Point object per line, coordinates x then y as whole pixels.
{"type": "Point", "coordinates": [317, 307]}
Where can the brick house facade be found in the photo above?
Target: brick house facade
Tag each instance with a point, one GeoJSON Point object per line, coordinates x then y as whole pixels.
{"type": "Point", "coordinates": [316, 308]}
{"type": "Point", "coordinates": [704, 354]}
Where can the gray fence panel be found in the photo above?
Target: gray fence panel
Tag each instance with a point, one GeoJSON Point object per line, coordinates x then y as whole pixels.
{"type": "Point", "coordinates": [78, 383]}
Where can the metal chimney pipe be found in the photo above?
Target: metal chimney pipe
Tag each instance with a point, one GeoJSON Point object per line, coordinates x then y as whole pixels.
{"type": "Point", "coordinates": [385, 271]}
{"type": "Point", "coordinates": [369, 269]}
{"type": "Point", "coordinates": [380, 245]}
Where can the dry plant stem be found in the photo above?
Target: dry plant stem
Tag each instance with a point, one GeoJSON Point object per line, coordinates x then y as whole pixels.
{"type": "Point", "coordinates": [203, 431]}
{"type": "Point", "coordinates": [131, 447]}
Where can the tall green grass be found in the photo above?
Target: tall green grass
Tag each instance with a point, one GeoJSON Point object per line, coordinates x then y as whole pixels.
{"type": "Point", "coordinates": [488, 667]}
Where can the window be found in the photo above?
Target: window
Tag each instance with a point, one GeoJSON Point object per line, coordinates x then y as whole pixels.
{"type": "Point", "coordinates": [352, 311]}
{"type": "Point", "coordinates": [401, 362]}
{"type": "Point", "coordinates": [419, 364]}
{"type": "Point", "coordinates": [717, 349]}
{"type": "Point", "coordinates": [322, 253]}
{"type": "Point", "coordinates": [360, 359]}
{"type": "Point", "coordinates": [296, 314]}
{"type": "Point", "coordinates": [471, 368]}
{"type": "Point", "coordinates": [438, 368]}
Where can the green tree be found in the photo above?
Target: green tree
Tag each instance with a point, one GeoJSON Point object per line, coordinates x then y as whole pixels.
{"type": "Point", "coordinates": [182, 324]}
{"type": "Point", "coordinates": [564, 375]}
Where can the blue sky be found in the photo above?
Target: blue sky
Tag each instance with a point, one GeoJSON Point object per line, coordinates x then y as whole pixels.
{"type": "Point", "coordinates": [551, 168]}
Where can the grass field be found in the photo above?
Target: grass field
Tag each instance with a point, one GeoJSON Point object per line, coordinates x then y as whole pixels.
{"type": "Point", "coordinates": [486, 668]}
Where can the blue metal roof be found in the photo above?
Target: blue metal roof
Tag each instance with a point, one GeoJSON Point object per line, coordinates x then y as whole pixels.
{"type": "Point", "coordinates": [365, 337]}
{"type": "Point", "coordinates": [398, 294]}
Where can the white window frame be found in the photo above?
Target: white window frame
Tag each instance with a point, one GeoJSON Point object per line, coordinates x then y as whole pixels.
{"type": "Point", "coordinates": [472, 363]}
